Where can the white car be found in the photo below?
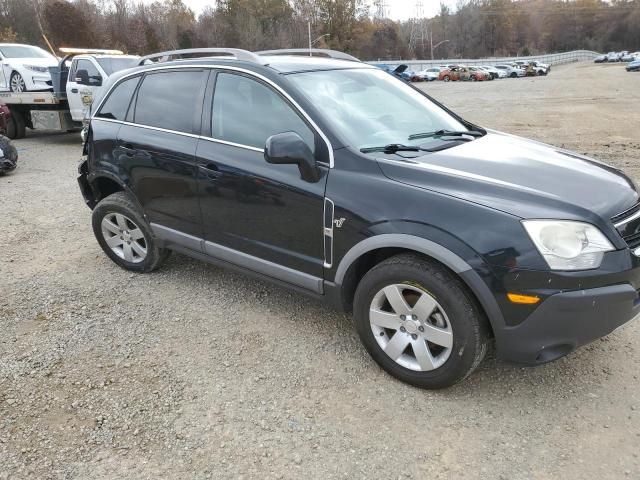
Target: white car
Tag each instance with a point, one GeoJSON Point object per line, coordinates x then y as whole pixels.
{"type": "Point", "coordinates": [25, 67]}
{"type": "Point", "coordinates": [429, 74]}
{"type": "Point", "coordinates": [612, 57]}
{"type": "Point", "coordinates": [511, 72]}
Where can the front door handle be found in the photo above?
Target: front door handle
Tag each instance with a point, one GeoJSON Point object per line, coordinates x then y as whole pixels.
{"type": "Point", "coordinates": [74, 90]}
{"type": "Point", "coordinates": [211, 171]}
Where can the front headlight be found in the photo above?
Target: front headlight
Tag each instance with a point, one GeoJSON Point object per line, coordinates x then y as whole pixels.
{"type": "Point", "coordinates": [36, 68]}
{"type": "Point", "coordinates": [568, 245]}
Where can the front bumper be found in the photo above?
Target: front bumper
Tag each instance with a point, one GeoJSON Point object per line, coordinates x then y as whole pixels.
{"type": "Point", "coordinates": [38, 81]}
{"type": "Point", "coordinates": [567, 320]}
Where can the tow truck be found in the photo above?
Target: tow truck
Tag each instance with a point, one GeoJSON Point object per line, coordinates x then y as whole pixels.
{"type": "Point", "coordinates": [78, 76]}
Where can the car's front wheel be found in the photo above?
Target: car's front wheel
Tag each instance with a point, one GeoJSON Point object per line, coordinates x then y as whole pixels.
{"type": "Point", "coordinates": [125, 236]}
{"type": "Point", "coordinates": [419, 322]}
{"type": "Point", "coordinates": [16, 83]}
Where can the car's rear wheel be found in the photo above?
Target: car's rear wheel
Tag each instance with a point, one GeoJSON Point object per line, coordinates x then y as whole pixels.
{"type": "Point", "coordinates": [125, 236]}
{"type": "Point", "coordinates": [446, 78]}
{"type": "Point", "coordinates": [16, 83]}
{"type": "Point", "coordinates": [419, 323]}
{"type": "Point", "coordinates": [514, 75]}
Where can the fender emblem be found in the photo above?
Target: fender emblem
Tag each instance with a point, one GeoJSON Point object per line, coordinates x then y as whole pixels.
{"type": "Point", "coordinates": [338, 222]}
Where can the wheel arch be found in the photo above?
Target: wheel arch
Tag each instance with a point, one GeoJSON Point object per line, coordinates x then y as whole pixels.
{"type": "Point", "coordinates": [368, 253]}
{"type": "Point", "coordinates": [104, 184]}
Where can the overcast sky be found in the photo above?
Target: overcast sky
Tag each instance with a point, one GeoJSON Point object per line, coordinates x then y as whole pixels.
{"type": "Point", "coordinates": [396, 9]}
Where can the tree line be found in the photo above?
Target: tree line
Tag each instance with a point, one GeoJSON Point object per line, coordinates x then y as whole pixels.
{"type": "Point", "coordinates": [475, 28]}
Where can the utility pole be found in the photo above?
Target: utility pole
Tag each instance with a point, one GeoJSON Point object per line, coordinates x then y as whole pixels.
{"type": "Point", "coordinates": [309, 25]}
{"type": "Point", "coordinates": [381, 9]}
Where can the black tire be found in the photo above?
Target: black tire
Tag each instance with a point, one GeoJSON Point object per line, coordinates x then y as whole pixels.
{"type": "Point", "coordinates": [21, 127]}
{"type": "Point", "coordinates": [468, 323]}
{"type": "Point", "coordinates": [121, 203]}
{"type": "Point", "coordinates": [513, 75]}
{"type": "Point", "coordinates": [446, 78]}
{"type": "Point", "coordinates": [11, 127]}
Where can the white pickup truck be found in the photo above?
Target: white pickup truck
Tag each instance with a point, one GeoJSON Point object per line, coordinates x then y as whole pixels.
{"type": "Point", "coordinates": [76, 80]}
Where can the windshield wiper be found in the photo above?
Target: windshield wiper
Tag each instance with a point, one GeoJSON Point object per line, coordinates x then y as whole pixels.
{"type": "Point", "coordinates": [446, 133]}
{"type": "Point", "coordinates": [392, 148]}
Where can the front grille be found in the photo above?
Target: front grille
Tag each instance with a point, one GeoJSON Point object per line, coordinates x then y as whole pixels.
{"type": "Point", "coordinates": [628, 225]}
{"type": "Point", "coordinates": [626, 214]}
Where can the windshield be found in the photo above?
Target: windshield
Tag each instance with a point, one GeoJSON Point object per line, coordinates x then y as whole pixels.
{"type": "Point", "coordinates": [20, 51]}
{"type": "Point", "coordinates": [110, 65]}
{"type": "Point", "coordinates": [371, 108]}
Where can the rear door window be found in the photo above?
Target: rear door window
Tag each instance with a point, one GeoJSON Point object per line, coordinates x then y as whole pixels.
{"type": "Point", "coordinates": [171, 100]}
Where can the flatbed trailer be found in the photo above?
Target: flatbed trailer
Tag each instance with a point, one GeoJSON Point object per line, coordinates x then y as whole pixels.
{"type": "Point", "coordinates": [38, 110]}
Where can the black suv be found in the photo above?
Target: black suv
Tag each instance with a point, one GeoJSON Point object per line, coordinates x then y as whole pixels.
{"type": "Point", "coordinates": [338, 180]}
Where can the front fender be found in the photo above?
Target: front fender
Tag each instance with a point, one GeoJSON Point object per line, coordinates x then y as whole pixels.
{"type": "Point", "coordinates": [469, 275]}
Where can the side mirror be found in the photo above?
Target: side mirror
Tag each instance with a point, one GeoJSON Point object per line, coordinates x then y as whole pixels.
{"type": "Point", "coordinates": [289, 149]}
{"type": "Point", "coordinates": [95, 81]}
{"type": "Point", "coordinates": [82, 77]}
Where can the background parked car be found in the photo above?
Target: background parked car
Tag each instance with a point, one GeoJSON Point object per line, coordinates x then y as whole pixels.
{"type": "Point", "coordinates": [600, 59]}
{"type": "Point", "coordinates": [612, 57]}
{"type": "Point", "coordinates": [395, 70]}
{"type": "Point", "coordinates": [480, 74]}
{"type": "Point", "coordinates": [429, 74]}
{"type": "Point", "coordinates": [511, 71]}
{"type": "Point", "coordinates": [541, 68]}
{"type": "Point", "coordinates": [411, 76]}
{"type": "Point", "coordinates": [494, 72]}
{"type": "Point", "coordinates": [25, 67]}
{"type": "Point", "coordinates": [633, 66]}
{"type": "Point", "coordinates": [462, 73]}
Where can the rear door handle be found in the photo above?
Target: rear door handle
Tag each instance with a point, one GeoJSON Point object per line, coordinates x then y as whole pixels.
{"type": "Point", "coordinates": [74, 90]}
{"type": "Point", "coordinates": [211, 171]}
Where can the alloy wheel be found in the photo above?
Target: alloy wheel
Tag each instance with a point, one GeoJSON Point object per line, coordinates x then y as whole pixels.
{"type": "Point", "coordinates": [124, 237]}
{"type": "Point", "coordinates": [411, 327]}
{"type": "Point", "coordinates": [17, 83]}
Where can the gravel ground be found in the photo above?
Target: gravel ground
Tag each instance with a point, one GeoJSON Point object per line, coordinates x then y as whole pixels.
{"type": "Point", "coordinates": [196, 372]}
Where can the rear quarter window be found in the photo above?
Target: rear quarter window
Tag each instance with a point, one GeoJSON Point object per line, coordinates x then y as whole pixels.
{"type": "Point", "coordinates": [117, 103]}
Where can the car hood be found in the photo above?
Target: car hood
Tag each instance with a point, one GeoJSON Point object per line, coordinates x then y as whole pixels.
{"type": "Point", "coordinates": [518, 176]}
{"type": "Point", "coordinates": [39, 62]}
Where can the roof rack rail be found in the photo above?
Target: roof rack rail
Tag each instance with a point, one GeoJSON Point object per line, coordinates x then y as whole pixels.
{"type": "Point", "coordinates": [238, 53]}
{"type": "Point", "coordinates": [320, 52]}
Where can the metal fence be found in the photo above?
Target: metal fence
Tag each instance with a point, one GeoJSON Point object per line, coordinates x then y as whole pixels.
{"type": "Point", "coordinates": [551, 59]}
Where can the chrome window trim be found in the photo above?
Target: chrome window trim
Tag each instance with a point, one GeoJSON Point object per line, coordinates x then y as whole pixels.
{"type": "Point", "coordinates": [219, 67]}
{"type": "Point", "coordinates": [175, 132]}
{"type": "Point", "coordinates": [148, 127]}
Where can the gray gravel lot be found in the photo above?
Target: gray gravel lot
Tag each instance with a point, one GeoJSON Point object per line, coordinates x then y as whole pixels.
{"type": "Point", "coordinates": [196, 372]}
